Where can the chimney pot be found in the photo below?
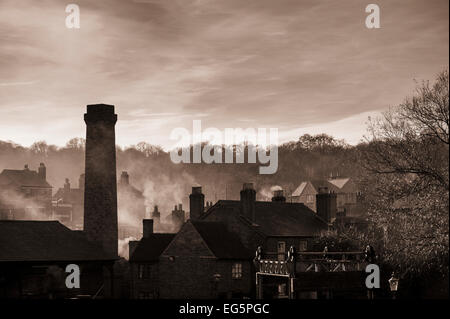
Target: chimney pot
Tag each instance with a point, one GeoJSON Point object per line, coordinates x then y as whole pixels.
{"type": "Point", "coordinates": [67, 184]}
{"type": "Point", "coordinates": [278, 196]}
{"type": "Point", "coordinates": [42, 171]}
{"type": "Point", "coordinates": [125, 178]}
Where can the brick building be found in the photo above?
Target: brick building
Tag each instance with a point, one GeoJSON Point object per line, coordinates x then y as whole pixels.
{"type": "Point", "coordinates": [205, 261]}
{"type": "Point", "coordinates": [25, 194]}
{"type": "Point", "coordinates": [202, 261]}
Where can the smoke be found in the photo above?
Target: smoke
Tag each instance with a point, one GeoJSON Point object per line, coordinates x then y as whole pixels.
{"type": "Point", "coordinates": [167, 192]}
{"type": "Point", "coordinates": [266, 193]}
{"type": "Point", "coordinates": [22, 208]}
{"type": "Point", "coordinates": [123, 247]}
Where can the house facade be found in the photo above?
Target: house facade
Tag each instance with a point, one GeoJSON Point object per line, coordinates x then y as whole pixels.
{"type": "Point", "coordinates": [202, 261]}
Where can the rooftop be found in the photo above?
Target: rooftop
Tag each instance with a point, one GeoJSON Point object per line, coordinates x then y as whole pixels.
{"type": "Point", "coordinates": [22, 178]}
{"type": "Point", "coordinates": [45, 241]}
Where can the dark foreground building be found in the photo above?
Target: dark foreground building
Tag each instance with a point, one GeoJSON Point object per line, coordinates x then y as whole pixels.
{"type": "Point", "coordinates": [34, 256]}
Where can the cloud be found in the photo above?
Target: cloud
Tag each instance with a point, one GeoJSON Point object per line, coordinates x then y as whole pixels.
{"type": "Point", "coordinates": [286, 64]}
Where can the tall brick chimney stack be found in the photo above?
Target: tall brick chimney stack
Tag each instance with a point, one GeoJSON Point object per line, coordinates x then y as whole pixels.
{"type": "Point", "coordinates": [147, 228]}
{"type": "Point", "coordinates": [196, 203]}
{"type": "Point", "coordinates": [100, 190]}
{"type": "Point", "coordinates": [278, 196]}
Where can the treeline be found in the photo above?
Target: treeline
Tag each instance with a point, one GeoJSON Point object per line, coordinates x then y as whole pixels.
{"type": "Point", "coordinates": [310, 157]}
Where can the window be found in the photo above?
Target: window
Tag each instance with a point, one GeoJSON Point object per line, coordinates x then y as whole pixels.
{"type": "Point", "coordinates": [303, 245]}
{"type": "Point", "coordinates": [236, 271]}
{"type": "Point", "coordinates": [144, 271]}
{"type": "Point", "coordinates": [145, 295]}
{"type": "Point", "coordinates": [281, 247]}
{"type": "Point", "coordinates": [310, 198]}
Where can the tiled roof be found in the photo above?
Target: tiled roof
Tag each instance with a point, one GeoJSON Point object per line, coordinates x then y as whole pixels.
{"type": "Point", "coordinates": [22, 178]}
{"type": "Point", "coordinates": [150, 248]}
{"type": "Point", "coordinates": [222, 243]}
{"type": "Point", "coordinates": [45, 241]}
{"type": "Point", "coordinates": [276, 218]}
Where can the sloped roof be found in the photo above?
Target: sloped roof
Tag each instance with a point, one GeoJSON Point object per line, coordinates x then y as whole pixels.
{"type": "Point", "coordinates": [276, 218]}
{"type": "Point", "coordinates": [318, 183]}
{"type": "Point", "coordinates": [222, 243]}
{"type": "Point", "coordinates": [339, 182]}
{"type": "Point", "coordinates": [23, 177]}
{"type": "Point", "coordinates": [45, 241]}
{"type": "Point", "coordinates": [150, 248]}
{"type": "Point", "coordinates": [299, 189]}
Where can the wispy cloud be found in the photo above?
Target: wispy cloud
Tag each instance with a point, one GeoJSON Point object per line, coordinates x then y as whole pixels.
{"type": "Point", "coordinates": [286, 64]}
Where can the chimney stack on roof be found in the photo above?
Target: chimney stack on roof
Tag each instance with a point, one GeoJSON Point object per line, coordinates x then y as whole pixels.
{"type": "Point", "coordinates": [326, 204]}
{"type": "Point", "coordinates": [196, 203]}
{"type": "Point", "coordinates": [67, 185]}
{"type": "Point", "coordinates": [178, 216]}
{"type": "Point", "coordinates": [147, 228]}
{"type": "Point", "coordinates": [248, 198]}
{"type": "Point", "coordinates": [42, 171]}
{"type": "Point", "coordinates": [156, 214]}
{"type": "Point", "coordinates": [278, 196]}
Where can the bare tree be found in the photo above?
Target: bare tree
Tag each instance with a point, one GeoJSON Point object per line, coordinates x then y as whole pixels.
{"type": "Point", "coordinates": [407, 157]}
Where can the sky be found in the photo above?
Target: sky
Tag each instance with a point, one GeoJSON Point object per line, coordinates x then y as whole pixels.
{"type": "Point", "coordinates": [302, 66]}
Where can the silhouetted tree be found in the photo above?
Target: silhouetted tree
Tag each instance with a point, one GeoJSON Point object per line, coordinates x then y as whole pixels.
{"type": "Point", "coordinates": [407, 157]}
